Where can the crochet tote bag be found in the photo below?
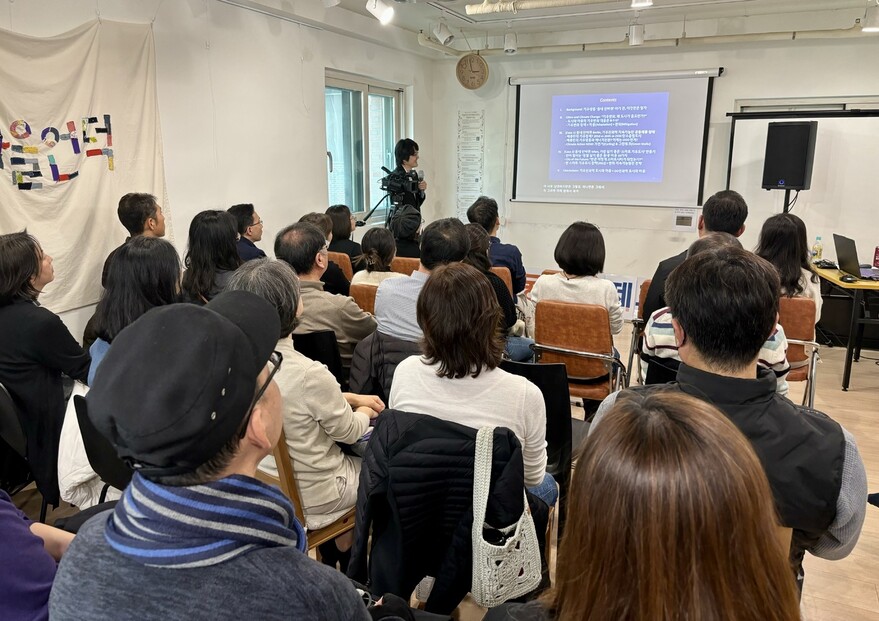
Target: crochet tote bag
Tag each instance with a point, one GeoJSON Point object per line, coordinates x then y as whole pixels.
{"type": "Point", "coordinates": [509, 567]}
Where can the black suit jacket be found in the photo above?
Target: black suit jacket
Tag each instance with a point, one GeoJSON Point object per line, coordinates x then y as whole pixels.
{"type": "Point", "coordinates": [656, 293]}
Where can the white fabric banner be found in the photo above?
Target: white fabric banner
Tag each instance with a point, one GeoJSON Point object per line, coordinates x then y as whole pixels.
{"type": "Point", "coordinates": [79, 128]}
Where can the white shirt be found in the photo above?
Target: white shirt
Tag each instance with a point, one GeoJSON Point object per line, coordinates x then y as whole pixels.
{"type": "Point", "coordinates": [373, 278]}
{"type": "Point", "coordinates": [811, 290]}
{"type": "Point", "coordinates": [493, 399]}
{"type": "Point", "coordinates": [581, 290]}
{"type": "Point", "coordinates": [395, 306]}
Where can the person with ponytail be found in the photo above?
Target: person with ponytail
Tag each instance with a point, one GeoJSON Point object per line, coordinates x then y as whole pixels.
{"type": "Point", "coordinates": [379, 250]}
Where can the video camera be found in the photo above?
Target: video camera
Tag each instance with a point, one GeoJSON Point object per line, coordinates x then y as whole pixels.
{"type": "Point", "coordinates": [399, 182]}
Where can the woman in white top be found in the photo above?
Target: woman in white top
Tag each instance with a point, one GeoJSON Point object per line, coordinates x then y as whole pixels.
{"type": "Point", "coordinates": [458, 379]}
{"type": "Point", "coordinates": [379, 249]}
{"type": "Point", "coordinates": [580, 253]}
{"type": "Point", "coordinates": [785, 243]}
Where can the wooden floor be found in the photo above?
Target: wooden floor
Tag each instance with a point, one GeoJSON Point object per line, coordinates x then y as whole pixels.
{"type": "Point", "coordinates": [846, 590]}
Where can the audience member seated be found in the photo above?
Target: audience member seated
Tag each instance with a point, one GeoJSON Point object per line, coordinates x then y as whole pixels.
{"type": "Point", "coordinates": [379, 250]}
{"type": "Point", "coordinates": [344, 225]}
{"type": "Point", "coordinates": [315, 412]}
{"type": "Point", "coordinates": [723, 212]}
{"type": "Point", "coordinates": [671, 517]}
{"type": "Point", "coordinates": [661, 346]}
{"type": "Point", "coordinates": [458, 379]}
{"type": "Point", "coordinates": [406, 226]}
{"type": "Point", "coordinates": [724, 304]}
{"type": "Point", "coordinates": [334, 278]}
{"type": "Point", "coordinates": [145, 273]}
{"type": "Point", "coordinates": [518, 348]}
{"type": "Point", "coordinates": [186, 394]}
{"type": "Point", "coordinates": [304, 247]}
{"type": "Point", "coordinates": [443, 241]}
{"type": "Point", "coordinates": [485, 212]}
{"type": "Point", "coordinates": [250, 227]}
{"type": "Point", "coordinates": [140, 214]}
{"type": "Point", "coordinates": [580, 253]}
{"type": "Point", "coordinates": [211, 255]}
{"type": "Point", "coordinates": [35, 350]}
{"type": "Point", "coordinates": [375, 361]}
{"type": "Point", "coordinates": [784, 242]}
{"type": "Point", "coordinates": [31, 551]}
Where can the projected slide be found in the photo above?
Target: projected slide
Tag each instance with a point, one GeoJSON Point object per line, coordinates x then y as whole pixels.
{"type": "Point", "coordinates": [612, 142]}
{"type": "Point", "coordinates": [616, 137]}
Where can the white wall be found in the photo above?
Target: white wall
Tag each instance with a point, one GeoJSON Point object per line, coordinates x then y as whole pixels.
{"type": "Point", "coordinates": [638, 237]}
{"type": "Point", "coordinates": [241, 99]}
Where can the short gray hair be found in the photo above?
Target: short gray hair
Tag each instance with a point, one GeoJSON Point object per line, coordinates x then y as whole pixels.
{"type": "Point", "coordinates": [274, 281]}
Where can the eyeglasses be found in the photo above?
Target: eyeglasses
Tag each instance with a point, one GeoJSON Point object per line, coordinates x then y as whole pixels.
{"type": "Point", "coordinates": [256, 223]}
{"type": "Point", "coordinates": [275, 360]}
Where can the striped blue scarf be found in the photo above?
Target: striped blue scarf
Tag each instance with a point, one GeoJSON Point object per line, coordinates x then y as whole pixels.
{"type": "Point", "coordinates": [200, 525]}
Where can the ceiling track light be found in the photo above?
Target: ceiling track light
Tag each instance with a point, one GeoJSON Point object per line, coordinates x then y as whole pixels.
{"type": "Point", "coordinates": [511, 43]}
{"type": "Point", "coordinates": [442, 34]}
{"type": "Point", "coordinates": [641, 4]}
{"type": "Point", "coordinates": [871, 19]}
{"type": "Point", "coordinates": [636, 34]}
{"type": "Point", "coordinates": [381, 11]}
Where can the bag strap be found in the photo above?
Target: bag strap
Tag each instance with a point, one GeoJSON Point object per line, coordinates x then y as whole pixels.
{"type": "Point", "coordinates": [482, 474]}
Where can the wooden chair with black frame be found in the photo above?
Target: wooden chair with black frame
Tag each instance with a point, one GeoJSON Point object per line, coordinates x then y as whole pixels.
{"type": "Point", "coordinates": [578, 335]}
{"type": "Point", "coordinates": [797, 316]}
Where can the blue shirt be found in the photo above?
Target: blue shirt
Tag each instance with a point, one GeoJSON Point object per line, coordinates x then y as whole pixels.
{"type": "Point", "coordinates": [508, 255]}
{"type": "Point", "coordinates": [98, 350]}
{"type": "Point", "coordinates": [395, 307]}
{"type": "Point", "coordinates": [247, 250]}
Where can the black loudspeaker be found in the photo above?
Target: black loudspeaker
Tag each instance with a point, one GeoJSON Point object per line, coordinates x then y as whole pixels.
{"type": "Point", "coordinates": [790, 149]}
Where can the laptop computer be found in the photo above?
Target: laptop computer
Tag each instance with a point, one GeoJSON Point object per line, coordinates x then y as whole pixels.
{"type": "Point", "coordinates": [847, 257]}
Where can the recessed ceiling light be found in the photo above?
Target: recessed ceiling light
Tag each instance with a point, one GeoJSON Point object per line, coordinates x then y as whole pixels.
{"type": "Point", "coordinates": [641, 4]}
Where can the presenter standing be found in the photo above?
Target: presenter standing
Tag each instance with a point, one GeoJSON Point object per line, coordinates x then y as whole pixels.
{"type": "Point", "coordinates": [406, 153]}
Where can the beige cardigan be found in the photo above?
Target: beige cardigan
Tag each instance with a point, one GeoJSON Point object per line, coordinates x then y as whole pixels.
{"type": "Point", "coordinates": [316, 416]}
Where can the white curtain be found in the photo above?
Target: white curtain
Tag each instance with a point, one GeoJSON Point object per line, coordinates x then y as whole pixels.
{"type": "Point", "coordinates": [79, 128]}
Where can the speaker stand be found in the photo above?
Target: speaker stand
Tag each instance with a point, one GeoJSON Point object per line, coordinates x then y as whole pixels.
{"type": "Point", "coordinates": [786, 200]}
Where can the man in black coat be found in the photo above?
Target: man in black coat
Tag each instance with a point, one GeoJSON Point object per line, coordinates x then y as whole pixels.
{"type": "Point", "coordinates": [724, 212]}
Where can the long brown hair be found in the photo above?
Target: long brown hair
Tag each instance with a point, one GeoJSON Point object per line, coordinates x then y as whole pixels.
{"type": "Point", "coordinates": [671, 518]}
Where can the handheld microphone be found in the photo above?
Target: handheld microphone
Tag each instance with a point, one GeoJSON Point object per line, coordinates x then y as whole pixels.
{"type": "Point", "coordinates": [386, 170]}
{"type": "Point", "coordinates": [420, 176]}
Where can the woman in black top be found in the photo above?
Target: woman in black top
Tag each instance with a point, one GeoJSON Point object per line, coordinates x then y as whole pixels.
{"type": "Point", "coordinates": [35, 350]}
{"type": "Point", "coordinates": [343, 225]}
{"type": "Point", "coordinates": [518, 348]}
{"type": "Point", "coordinates": [211, 255]}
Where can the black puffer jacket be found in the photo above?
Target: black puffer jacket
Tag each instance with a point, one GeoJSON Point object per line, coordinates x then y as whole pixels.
{"type": "Point", "coordinates": [416, 495]}
{"type": "Point", "coordinates": [374, 361]}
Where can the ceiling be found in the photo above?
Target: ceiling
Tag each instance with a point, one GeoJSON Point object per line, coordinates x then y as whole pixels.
{"type": "Point", "coordinates": [424, 14]}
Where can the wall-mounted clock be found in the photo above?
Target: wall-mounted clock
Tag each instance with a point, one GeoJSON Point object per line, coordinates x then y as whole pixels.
{"type": "Point", "coordinates": [472, 71]}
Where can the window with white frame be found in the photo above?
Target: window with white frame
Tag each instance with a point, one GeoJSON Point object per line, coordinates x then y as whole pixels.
{"type": "Point", "coordinates": [363, 126]}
